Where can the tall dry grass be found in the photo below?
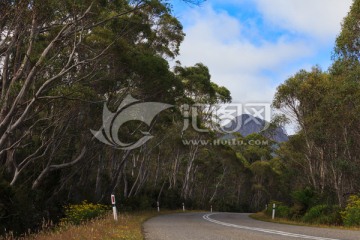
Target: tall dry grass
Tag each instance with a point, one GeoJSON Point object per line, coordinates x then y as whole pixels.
{"type": "Point", "coordinates": [128, 227]}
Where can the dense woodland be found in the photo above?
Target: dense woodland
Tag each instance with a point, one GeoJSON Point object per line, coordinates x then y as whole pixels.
{"type": "Point", "coordinates": [60, 61]}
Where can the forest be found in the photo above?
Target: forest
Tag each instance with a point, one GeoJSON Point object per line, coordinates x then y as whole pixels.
{"type": "Point", "coordinates": [62, 61]}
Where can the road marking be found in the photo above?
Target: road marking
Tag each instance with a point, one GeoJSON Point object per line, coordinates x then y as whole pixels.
{"type": "Point", "coordinates": [288, 234]}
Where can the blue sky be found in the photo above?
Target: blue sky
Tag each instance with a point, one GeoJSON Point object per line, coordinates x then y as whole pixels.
{"type": "Point", "coordinates": [252, 46]}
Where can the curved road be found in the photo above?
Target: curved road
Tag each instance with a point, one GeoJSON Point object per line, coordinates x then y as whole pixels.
{"type": "Point", "coordinates": [239, 226]}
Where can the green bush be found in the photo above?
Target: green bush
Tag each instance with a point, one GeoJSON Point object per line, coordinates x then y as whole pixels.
{"type": "Point", "coordinates": [304, 199]}
{"type": "Point", "coordinates": [78, 213]}
{"type": "Point", "coordinates": [351, 214]}
{"type": "Point", "coordinates": [323, 214]}
{"type": "Point", "coordinates": [282, 211]}
{"type": "Point", "coordinates": [140, 202]}
{"type": "Point", "coordinates": [296, 212]}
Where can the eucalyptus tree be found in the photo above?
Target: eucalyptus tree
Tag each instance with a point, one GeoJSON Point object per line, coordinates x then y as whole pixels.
{"type": "Point", "coordinates": [326, 107]}
{"type": "Point", "coordinates": [56, 54]}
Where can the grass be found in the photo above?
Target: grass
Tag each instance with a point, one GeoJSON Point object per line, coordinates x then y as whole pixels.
{"type": "Point", "coordinates": [128, 227]}
{"type": "Point", "coordinates": [263, 217]}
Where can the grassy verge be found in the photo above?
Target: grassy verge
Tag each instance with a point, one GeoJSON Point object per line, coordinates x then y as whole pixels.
{"type": "Point", "coordinates": [263, 217]}
{"type": "Point", "coordinates": [129, 227]}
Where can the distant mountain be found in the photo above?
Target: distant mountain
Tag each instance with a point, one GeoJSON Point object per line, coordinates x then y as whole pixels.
{"type": "Point", "coordinates": [250, 125]}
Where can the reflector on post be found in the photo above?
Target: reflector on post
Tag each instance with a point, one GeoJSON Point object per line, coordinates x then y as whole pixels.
{"type": "Point", "coordinates": [112, 199]}
{"type": "Point", "coordinates": [114, 207]}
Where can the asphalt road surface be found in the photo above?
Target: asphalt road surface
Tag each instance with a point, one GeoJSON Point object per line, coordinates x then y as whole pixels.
{"type": "Point", "coordinates": [239, 226]}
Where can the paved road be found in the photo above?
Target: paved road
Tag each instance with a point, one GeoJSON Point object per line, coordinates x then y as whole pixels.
{"type": "Point", "coordinates": [236, 226]}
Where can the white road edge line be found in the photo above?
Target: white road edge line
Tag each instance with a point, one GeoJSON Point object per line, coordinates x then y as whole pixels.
{"type": "Point", "coordinates": [288, 234]}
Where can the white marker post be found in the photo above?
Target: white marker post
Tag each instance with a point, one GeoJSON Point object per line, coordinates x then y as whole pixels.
{"type": "Point", "coordinates": [183, 207]}
{"type": "Point", "coordinates": [158, 206]}
{"type": "Point", "coordinates": [211, 208]}
{"type": "Point", "coordinates": [273, 211]}
{"type": "Point", "coordinates": [114, 207]}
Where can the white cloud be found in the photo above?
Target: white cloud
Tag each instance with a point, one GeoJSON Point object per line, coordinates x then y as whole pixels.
{"type": "Point", "coordinates": [320, 18]}
{"type": "Point", "coordinates": [250, 69]}
{"type": "Point", "coordinates": [216, 39]}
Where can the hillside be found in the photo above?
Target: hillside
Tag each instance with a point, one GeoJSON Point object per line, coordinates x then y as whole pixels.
{"type": "Point", "coordinates": [250, 125]}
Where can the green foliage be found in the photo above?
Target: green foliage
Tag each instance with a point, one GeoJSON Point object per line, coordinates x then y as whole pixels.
{"type": "Point", "coordinates": [347, 45]}
{"type": "Point", "coordinates": [256, 152]}
{"type": "Point", "coordinates": [115, 49]}
{"type": "Point", "coordinates": [281, 210]}
{"type": "Point", "coordinates": [53, 132]}
{"type": "Point", "coordinates": [325, 104]}
{"type": "Point", "coordinates": [198, 86]}
{"type": "Point", "coordinates": [261, 168]}
{"type": "Point", "coordinates": [142, 202]}
{"type": "Point", "coordinates": [7, 206]}
{"type": "Point", "coordinates": [323, 214]}
{"type": "Point", "coordinates": [22, 208]}
{"type": "Point", "coordinates": [243, 160]}
{"type": "Point", "coordinates": [171, 199]}
{"type": "Point", "coordinates": [351, 214]}
{"type": "Point", "coordinates": [78, 213]}
{"type": "Point", "coordinates": [223, 94]}
{"type": "Point", "coordinates": [304, 198]}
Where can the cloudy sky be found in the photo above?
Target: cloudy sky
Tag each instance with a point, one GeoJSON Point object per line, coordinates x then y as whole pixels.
{"type": "Point", "coordinates": [252, 46]}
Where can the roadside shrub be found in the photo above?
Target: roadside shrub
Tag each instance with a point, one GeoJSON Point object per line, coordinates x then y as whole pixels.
{"type": "Point", "coordinates": [139, 203]}
{"type": "Point", "coordinates": [323, 214]}
{"type": "Point", "coordinates": [282, 211]}
{"type": "Point", "coordinates": [268, 211]}
{"type": "Point", "coordinates": [78, 213]}
{"type": "Point", "coordinates": [296, 212]}
{"type": "Point", "coordinates": [351, 214]}
{"type": "Point", "coordinates": [304, 199]}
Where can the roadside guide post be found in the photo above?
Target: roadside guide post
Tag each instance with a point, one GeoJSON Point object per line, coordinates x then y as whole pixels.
{"type": "Point", "coordinates": [114, 207]}
{"type": "Point", "coordinates": [158, 206]}
{"type": "Point", "coordinates": [183, 207]}
{"type": "Point", "coordinates": [273, 211]}
{"type": "Point", "coordinates": [211, 208]}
